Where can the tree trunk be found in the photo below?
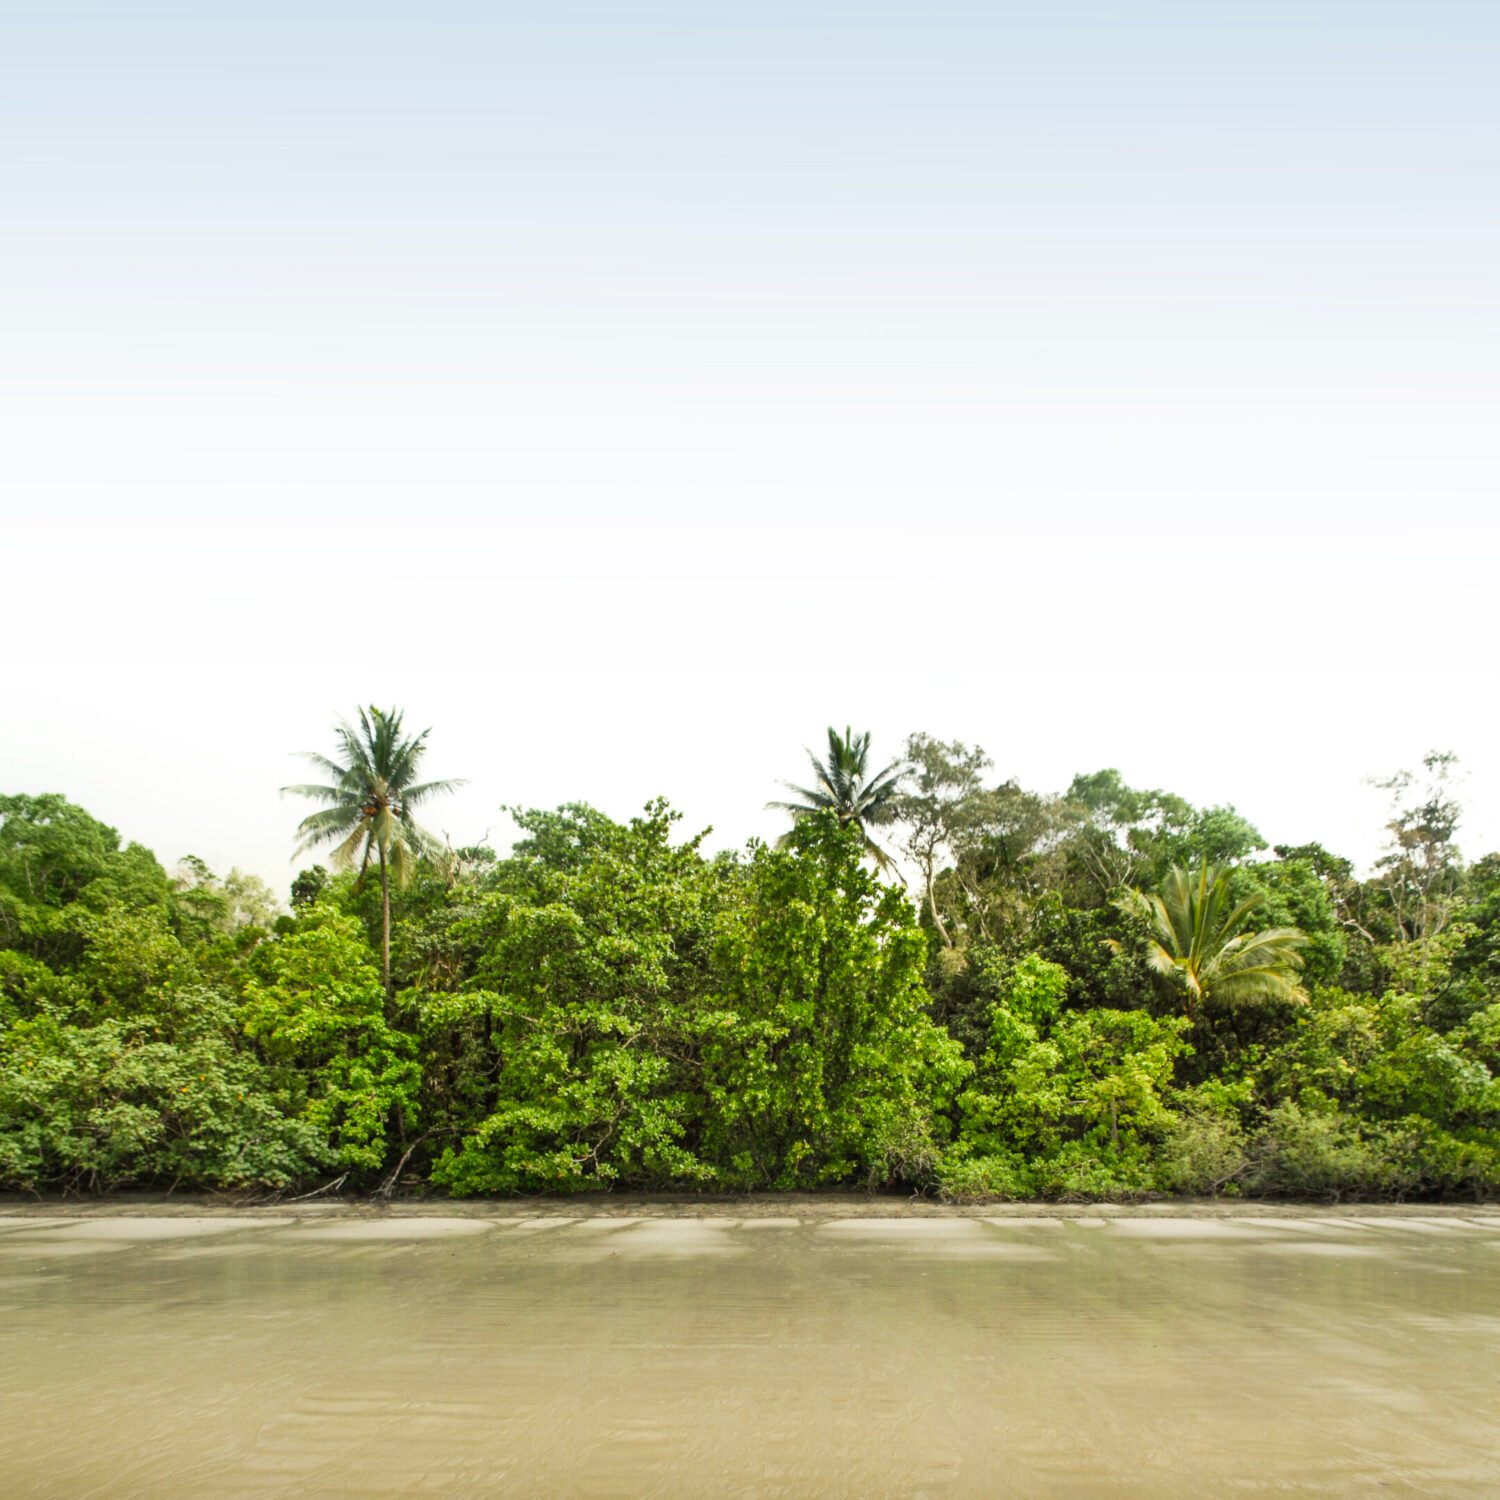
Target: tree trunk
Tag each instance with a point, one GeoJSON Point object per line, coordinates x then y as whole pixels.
{"type": "Point", "coordinates": [932, 906]}
{"type": "Point", "coordinates": [385, 925]}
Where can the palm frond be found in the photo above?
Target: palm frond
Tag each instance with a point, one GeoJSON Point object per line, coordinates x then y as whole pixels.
{"type": "Point", "coordinates": [1202, 942]}
{"type": "Point", "coordinates": [1160, 960]}
{"type": "Point", "coordinates": [332, 767]}
{"type": "Point", "coordinates": [882, 857]}
{"type": "Point", "coordinates": [814, 802]}
{"type": "Point", "coordinates": [1275, 947]}
{"type": "Point", "coordinates": [412, 795]}
{"type": "Point", "coordinates": [316, 792]}
{"type": "Point", "coordinates": [373, 784]}
{"type": "Point", "coordinates": [343, 855]}
{"type": "Point", "coordinates": [421, 840]}
{"type": "Point", "coordinates": [324, 827]}
{"type": "Point", "coordinates": [824, 775]}
{"type": "Point", "coordinates": [841, 787]}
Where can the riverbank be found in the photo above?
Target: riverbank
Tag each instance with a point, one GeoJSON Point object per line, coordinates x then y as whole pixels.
{"type": "Point", "coordinates": [750, 1207]}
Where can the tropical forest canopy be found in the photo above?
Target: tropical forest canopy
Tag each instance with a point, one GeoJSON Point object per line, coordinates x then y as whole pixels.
{"type": "Point", "coordinates": [938, 981]}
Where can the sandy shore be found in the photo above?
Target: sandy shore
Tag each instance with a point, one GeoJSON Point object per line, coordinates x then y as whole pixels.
{"type": "Point", "coordinates": [757, 1206]}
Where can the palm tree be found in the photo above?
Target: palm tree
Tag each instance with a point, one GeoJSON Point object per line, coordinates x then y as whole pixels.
{"type": "Point", "coordinates": [370, 802]}
{"type": "Point", "coordinates": [1200, 939]}
{"type": "Point", "coordinates": [843, 787]}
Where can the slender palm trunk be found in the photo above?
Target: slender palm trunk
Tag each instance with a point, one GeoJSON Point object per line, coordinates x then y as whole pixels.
{"type": "Point", "coordinates": [385, 925]}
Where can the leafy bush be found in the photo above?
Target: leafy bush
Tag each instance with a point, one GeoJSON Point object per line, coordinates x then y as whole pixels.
{"type": "Point", "coordinates": [1310, 1154]}
{"type": "Point", "coordinates": [317, 1008]}
{"type": "Point", "coordinates": [1079, 1097]}
{"type": "Point", "coordinates": [1203, 1152]}
{"type": "Point", "coordinates": [975, 1179]}
{"type": "Point", "coordinates": [98, 1107]}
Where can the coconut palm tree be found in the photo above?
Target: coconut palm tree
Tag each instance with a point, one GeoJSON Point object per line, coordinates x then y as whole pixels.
{"type": "Point", "coordinates": [1200, 939]}
{"type": "Point", "coordinates": [843, 786]}
{"type": "Point", "coordinates": [370, 800]}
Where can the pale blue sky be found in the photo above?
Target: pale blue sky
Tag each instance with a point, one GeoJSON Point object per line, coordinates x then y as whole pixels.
{"type": "Point", "coordinates": [1062, 377]}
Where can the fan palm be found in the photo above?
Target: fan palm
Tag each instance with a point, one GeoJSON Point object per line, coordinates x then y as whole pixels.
{"type": "Point", "coordinates": [1201, 940]}
{"type": "Point", "coordinates": [370, 799]}
{"type": "Point", "coordinates": [843, 786]}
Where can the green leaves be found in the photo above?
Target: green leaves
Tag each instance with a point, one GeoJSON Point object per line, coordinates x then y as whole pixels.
{"type": "Point", "coordinates": [106, 1105]}
{"type": "Point", "coordinates": [644, 1017]}
{"type": "Point", "coordinates": [607, 1007]}
{"type": "Point", "coordinates": [317, 1009]}
{"type": "Point", "coordinates": [1199, 938]}
{"type": "Point", "coordinates": [843, 787]}
{"type": "Point", "coordinates": [1064, 1103]}
{"type": "Point", "coordinates": [57, 861]}
{"type": "Point", "coordinates": [569, 1059]}
{"type": "Point", "coordinates": [372, 793]}
{"type": "Point", "coordinates": [832, 1058]}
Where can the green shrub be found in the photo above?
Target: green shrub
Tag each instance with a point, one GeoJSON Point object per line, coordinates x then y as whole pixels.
{"type": "Point", "coordinates": [1326, 1154]}
{"type": "Point", "coordinates": [975, 1179]}
{"type": "Point", "coordinates": [98, 1107]}
{"type": "Point", "coordinates": [1204, 1152]}
{"type": "Point", "coordinates": [318, 1011]}
{"type": "Point", "coordinates": [1083, 1171]}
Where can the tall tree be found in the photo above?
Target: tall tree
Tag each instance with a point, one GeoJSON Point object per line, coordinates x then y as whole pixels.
{"type": "Point", "coordinates": [842, 785]}
{"type": "Point", "coordinates": [369, 808]}
{"type": "Point", "coordinates": [1420, 874]}
{"type": "Point", "coordinates": [942, 803]}
{"type": "Point", "coordinates": [1201, 939]}
{"type": "Point", "coordinates": [1125, 836]}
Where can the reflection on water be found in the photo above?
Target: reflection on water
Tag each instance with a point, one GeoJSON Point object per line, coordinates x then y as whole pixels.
{"type": "Point", "coordinates": [775, 1356]}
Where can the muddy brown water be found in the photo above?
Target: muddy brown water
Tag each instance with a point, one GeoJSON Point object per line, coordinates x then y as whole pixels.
{"type": "Point", "coordinates": [795, 1354]}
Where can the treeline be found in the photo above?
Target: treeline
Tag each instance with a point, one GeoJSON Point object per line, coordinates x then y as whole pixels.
{"type": "Point", "coordinates": [1103, 993]}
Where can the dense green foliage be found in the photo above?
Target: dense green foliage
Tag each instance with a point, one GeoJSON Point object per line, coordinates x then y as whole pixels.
{"type": "Point", "coordinates": [1103, 993]}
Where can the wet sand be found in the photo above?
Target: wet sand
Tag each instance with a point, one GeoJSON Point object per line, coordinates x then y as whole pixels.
{"type": "Point", "coordinates": [777, 1347]}
{"type": "Point", "coordinates": [772, 1207]}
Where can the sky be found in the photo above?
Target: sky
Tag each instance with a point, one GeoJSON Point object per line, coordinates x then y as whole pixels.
{"type": "Point", "coordinates": [630, 391]}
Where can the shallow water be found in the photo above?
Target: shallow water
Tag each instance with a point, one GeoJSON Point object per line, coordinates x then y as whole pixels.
{"type": "Point", "coordinates": [780, 1356]}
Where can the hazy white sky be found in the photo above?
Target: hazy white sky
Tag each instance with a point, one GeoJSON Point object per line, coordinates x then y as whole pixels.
{"type": "Point", "coordinates": [631, 390]}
